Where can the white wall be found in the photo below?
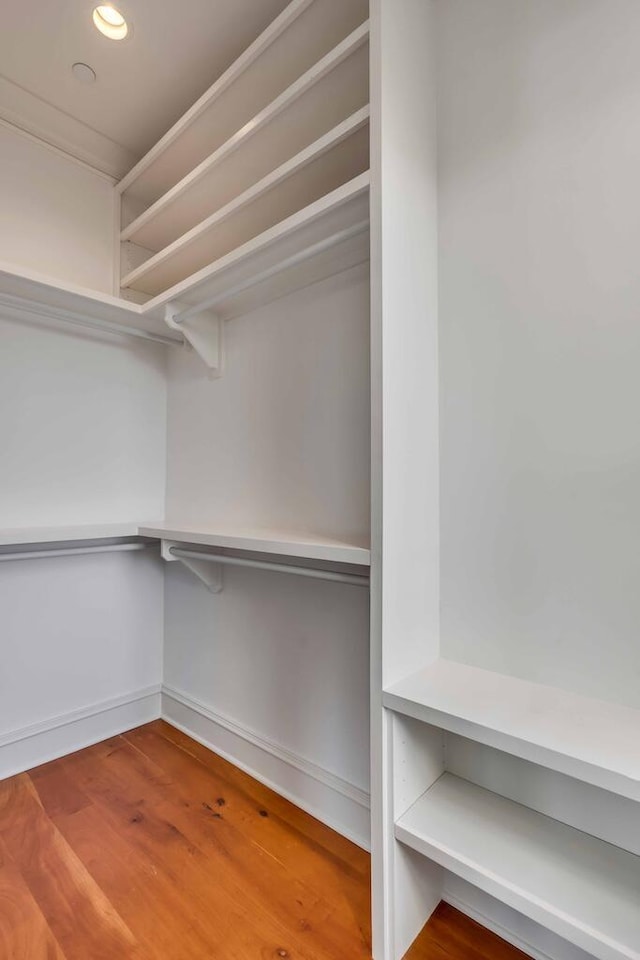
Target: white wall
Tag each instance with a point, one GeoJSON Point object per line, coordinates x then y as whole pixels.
{"type": "Point", "coordinates": [56, 214]}
{"type": "Point", "coordinates": [282, 439]}
{"type": "Point", "coordinates": [82, 440]}
{"type": "Point", "coordinates": [539, 152]}
{"type": "Point", "coordinates": [82, 427]}
{"type": "Point", "coordinates": [80, 652]}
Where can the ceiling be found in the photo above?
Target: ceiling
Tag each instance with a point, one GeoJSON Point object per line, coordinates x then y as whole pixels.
{"type": "Point", "coordinates": [175, 50]}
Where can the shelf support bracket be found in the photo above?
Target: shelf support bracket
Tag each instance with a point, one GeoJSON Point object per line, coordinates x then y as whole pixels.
{"type": "Point", "coordinates": [209, 573]}
{"type": "Point", "coordinates": [204, 331]}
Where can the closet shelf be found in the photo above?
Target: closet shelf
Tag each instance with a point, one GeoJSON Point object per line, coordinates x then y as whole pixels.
{"type": "Point", "coordinates": [258, 540]}
{"type": "Point", "coordinates": [25, 295]}
{"type": "Point", "coordinates": [582, 888]}
{"type": "Point", "coordinates": [22, 536]}
{"type": "Point", "coordinates": [324, 238]}
{"type": "Point", "coordinates": [286, 126]}
{"type": "Point", "coordinates": [273, 197]}
{"type": "Point", "coordinates": [237, 68]}
{"type": "Point", "coordinates": [304, 34]}
{"type": "Point", "coordinates": [592, 740]}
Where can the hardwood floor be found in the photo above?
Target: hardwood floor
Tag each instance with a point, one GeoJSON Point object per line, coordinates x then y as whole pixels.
{"type": "Point", "coordinates": [150, 847]}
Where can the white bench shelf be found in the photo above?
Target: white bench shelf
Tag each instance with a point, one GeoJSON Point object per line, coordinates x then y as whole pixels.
{"type": "Point", "coordinates": [578, 886]}
{"type": "Point", "coordinates": [592, 740]}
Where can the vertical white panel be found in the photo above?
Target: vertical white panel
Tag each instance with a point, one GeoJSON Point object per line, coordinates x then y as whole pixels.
{"type": "Point", "coordinates": [405, 524]}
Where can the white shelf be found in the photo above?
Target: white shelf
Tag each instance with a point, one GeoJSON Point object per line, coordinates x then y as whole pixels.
{"type": "Point", "coordinates": [317, 102]}
{"type": "Point", "coordinates": [592, 740]}
{"type": "Point", "coordinates": [310, 546]}
{"type": "Point", "coordinates": [334, 159]}
{"type": "Point", "coordinates": [323, 222]}
{"type": "Point", "coordinates": [19, 536]}
{"type": "Point", "coordinates": [28, 295]}
{"type": "Point", "coordinates": [324, 238]}
{"type": "Point", "coordinates": [578, 886]}
{"type": "Point", "coordinates": [304, 33]}
{"type": "Point", "coordinates": [314, 173]}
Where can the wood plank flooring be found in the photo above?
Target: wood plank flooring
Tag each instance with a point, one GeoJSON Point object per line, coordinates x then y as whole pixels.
{"type": "Point", "coordinates": [150, 847]}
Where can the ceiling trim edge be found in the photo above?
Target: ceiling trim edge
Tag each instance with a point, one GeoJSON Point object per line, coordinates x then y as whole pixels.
{"type": "Point", "coordinates": [42, 120]}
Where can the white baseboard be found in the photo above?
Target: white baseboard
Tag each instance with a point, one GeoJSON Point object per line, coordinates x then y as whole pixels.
{"type": "Point", "coordinates": [38, 743]}
{"type": "Point", "coordinates": [536, 941]}
{"type": "Point", "coordinates": [336, 802]}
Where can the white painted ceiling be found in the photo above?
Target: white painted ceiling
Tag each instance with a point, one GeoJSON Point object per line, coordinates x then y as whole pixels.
{"type": "Point", "coordinates": [176, 49]}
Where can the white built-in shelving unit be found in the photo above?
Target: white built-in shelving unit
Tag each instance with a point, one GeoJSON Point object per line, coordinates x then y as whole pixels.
{"type": "Point", "coordinates": [579, 887]}
{"type": "Point", "coordinates": [260, 189]}
{"type": "Point", "coordinates": [437, 724]}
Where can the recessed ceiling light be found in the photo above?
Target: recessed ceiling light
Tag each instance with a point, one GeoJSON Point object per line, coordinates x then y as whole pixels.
{"type": "Point", "coordinates": [110, 22]}
{"type": "Point", "coordinates": [83, 72]}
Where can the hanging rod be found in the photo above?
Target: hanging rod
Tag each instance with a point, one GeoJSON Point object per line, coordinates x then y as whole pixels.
{"type": "Point", "coordinates": [72, 551]}
{"type": "Point", "coordinates": [305, 254]}
{"type": "Point", "coordinates": [357, 580]}
{"type": "Point", "coordinates": [19, 308]}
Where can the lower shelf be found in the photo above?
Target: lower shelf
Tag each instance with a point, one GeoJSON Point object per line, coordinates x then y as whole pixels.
{"type": "Point", "coordinates": [583, 889]}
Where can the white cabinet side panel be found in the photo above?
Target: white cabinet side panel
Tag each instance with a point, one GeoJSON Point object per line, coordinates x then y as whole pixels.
{"type": "Point", "coordinates": [405, 474]}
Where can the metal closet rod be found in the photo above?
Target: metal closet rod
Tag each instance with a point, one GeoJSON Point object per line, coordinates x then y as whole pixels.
{"type": "Point", "coordinates": [357, 580]}
{"type": "Point", "coordinates": [305, 254]}
{"type": "Point", "coordinates": [72, 551]}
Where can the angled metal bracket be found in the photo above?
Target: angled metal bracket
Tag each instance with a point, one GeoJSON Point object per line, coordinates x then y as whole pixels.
{"type": "Point", "coordinates": [209, 573]}
{"type": "Point", "coordinates": [204, 331]}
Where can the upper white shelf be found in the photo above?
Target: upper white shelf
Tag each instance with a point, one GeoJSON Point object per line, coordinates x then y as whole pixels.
{"type": "Point", "coordinates": [326, 237]}
{"type": "Point", "coordinates": [319, 101]}
{"type": "Point", "coordinates": [310, 546]}
{"type": "Point", "coordinates": [329, 235]}
{"type": "Point", "coordinates": [582, 888]}
{"type": "Point", "coordinates": [592, 740]}
{"type": "Point", "coordinates": [304, 33]}
{"type": "Point", "coordinates": [336, 159]}
{"type": "Point", "coordinates": [20, 536]}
